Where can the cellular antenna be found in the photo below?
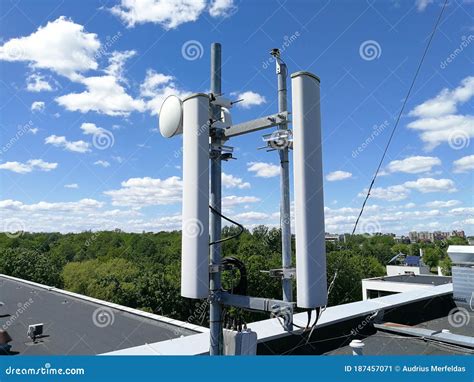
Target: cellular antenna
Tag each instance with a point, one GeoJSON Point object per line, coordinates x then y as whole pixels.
{"type": "Point", "coordinates": [206, 124]}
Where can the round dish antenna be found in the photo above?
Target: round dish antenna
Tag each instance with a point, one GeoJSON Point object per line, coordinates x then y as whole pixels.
{"type": "Point", "coordinates": [171, 117]}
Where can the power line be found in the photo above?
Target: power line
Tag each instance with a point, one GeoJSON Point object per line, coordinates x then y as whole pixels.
{"type": "Point", "coordinates": [400, 114]}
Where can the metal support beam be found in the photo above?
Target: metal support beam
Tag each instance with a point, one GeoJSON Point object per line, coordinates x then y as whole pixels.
{"type": "Point", "coordinates": [285, 217]}
{"type": "Point", "coordinates": [256, 124]}
{"type": "Point", "coordinates": [215, 309]}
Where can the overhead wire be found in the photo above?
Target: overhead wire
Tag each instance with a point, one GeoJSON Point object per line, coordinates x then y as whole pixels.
{"type": "Point", "coordinates": [400, 114]}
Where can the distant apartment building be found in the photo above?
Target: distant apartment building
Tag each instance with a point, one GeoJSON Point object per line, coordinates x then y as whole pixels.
{"type": "Point", "coordinates": [432, 236]}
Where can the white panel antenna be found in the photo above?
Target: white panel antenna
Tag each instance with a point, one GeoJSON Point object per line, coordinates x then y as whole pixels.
{"type": "Point", "coordinates": [308, 188]}
{"type": "Point", "coordinates": [195, 226]}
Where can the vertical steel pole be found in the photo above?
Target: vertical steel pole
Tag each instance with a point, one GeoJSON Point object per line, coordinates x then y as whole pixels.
{"type": "Point", "coordinates": [285, 216]}
{"type": "Point", "coordinates": [215, 310]}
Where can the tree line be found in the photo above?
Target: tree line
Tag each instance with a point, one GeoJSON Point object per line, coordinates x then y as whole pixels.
{"type": "Point", "coordinates": [142, 270]}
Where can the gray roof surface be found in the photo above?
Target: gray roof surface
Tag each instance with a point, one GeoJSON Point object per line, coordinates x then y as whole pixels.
{"type": "Point", "coordinates": [69, 326]}
{"type": "Point", "coordinates": [417, 279]}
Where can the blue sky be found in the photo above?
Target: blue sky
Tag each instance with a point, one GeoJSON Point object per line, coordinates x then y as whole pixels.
{"type": "Point", "coordinates": [82, 83]}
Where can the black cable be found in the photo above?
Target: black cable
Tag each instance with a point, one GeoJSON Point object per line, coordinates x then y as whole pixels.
{"type": "Point", "coordinates": [242, 229]}
{"type": "Point", "coordinates": [241, 287]}
{"type": "Point", "coordinates": [400, 115]}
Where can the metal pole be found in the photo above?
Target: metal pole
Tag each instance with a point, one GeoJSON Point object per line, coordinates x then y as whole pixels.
{"type": "Point", "coordinates": [285, 216]}
{"type": "Point", "coordinates": [215, 310]}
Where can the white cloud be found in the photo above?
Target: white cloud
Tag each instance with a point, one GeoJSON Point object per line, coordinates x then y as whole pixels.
{"type": "Point", "coordinates": [222, 8]}
{"type": "Point", "coordinates": [37, 106]}
{"type": "Point", "coordinates": [74, 146]}
{"type": "Point", "coordinates": [104, 95]}
{"type": "Point", "coordinates": [91, 129]}
{"type": "Point", "coordinates": [462, 211]}
{"type": "Point", "coordinates": [61, 46]}
{"type": "Point", "coordinates": [32, 164]}
{"type": "Point", "coordinates": [442, 203]}
{"type": "Point", "coordinates": [233, 200]}
{"type": "Point", "coordinates": [117, 63]}
{"type": "Point", "coordinates": [422, 4]}
{"type": "Point", "coordinates": [251, 216]}
{"type": "Point", "coordinates": [71, 185]}
{"type": "Point", "coordinates": [464, 164]}
{"type": "Point", "coordinates": [391, 193]}
{"type": "Point", "coordinates": [147, 191]}
{"type": "Point", "coordinates": [156, 87]}
{"type": "Point", "coordinates": [437, 118]}
{"type": "Point", "coordinates": [169, 13]}
{"type": "Point", "coordinates": [230, 181]}
{"type": "Point", "coordinates": [338, 175]}
{"type": "Point", "coordinates": [102, 163]}
{"type": "Point", "coordinates": [401, 191]}
{"type": "Point", "coordinates": [83, 204]}
{"type": "Point", "coordinates": [250, 99]}
{"type": "Point", "coordinates": [33, 130]}
{"type": "Point", "coordinates": [414, 164]}
{"type": "Point", "coordinates": [36, 83]}
{"type": "Point", "coordinates": [426, 185]}
{"type": "Point", "coordinates": [263, 170]}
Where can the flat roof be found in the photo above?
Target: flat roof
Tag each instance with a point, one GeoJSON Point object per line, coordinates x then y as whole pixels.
{"type": "Point", "coordinates": [415, 279]}
{"type": "Point", "coordinates": [76, 324]}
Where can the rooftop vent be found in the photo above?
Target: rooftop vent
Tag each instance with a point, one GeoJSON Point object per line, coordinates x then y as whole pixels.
{"type": "Point", "coordinates": [462, 257]}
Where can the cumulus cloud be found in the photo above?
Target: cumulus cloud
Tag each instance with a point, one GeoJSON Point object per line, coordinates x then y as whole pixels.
{"type": "Point", "coordinates": [61, 46]}
{"type": "Point", "coordinates": [29, 166]}
{"type": "Point", "coordinates": [338, 175]}
{"type": "Point", "coordinates": [222, 8]}
{"type": "Point", "coordinates": [37, 106]}
{"type": "Point", "coordinates": [71, 185]}
{"type": "Point", "coordinates": [421, 5]}
{"type": "Point", "coordinates": [437, 118]}
{"type": "Point", "coordinates": [37, 83]}
{"type": "Point", "coordinates": [117, 62]}
{"type": "Point", "coordinates": [414, 164]}
{"type": "Point", "coordinates": [102, 163]}
{"type": "Point", "coordinates": [426, 185]}
{"type": "Point", "coordinates": [104, 95]}
{"type": "Point", "coordinates": [442, 203]}
{"type": "Point", "coordinates": [91, 129]}
{"type": "Point", "coordinates": [233, 200]}
{"type": "Point", "coordinates": [464, 164]}
{"type": "Point", "coordinates": [139, 192]}
{"type": "Point", "coordinates": [401, 191]}
{"type": "Point", "coordinates": [231, 181]}
{"type": "Point", "coordinates": [263, 169]}
{"type": "Point", "coordinates": [250, 99]}
{"type": "Point", "coordinates": [169, 13]}
{"type": "Point", "coordinates": [156, 87]}
{"type": "Point", "coordinates": [74, 146]}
